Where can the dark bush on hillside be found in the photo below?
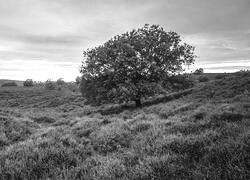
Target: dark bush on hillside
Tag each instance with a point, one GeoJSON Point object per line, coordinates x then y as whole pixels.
{"type": "Point", "coordinates": [44, 119]}
{"type": "Point", "coordinates": [228, 116]}
{"type": "Point", "coordinates": [38, 83]}
{"type": "Point", "coordinates": [178, 82]}
{"type": "Point", "coordinates": [28, 83]}
{"type": "Point", "coordinates": [60, 81]}
{"type": "Point", "coordinates": [220, 76]}
{"type": "Point", "coordinates": [7, 84]}
{"type": "Point", "coordinates": [78, 80]}
{"type": "Point", "coordinates": [199, 71]}
{"type": "Point", "coordinates": [49, 85]}
{"type": "Point", "coordinates": [243, 72]}
{"type": "Point", "coordinates": [203, 79]}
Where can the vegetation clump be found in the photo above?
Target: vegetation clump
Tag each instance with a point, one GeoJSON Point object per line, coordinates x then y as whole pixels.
{"type": "Point", "coordinates": [50, 85]}
{"type": "Point", "coordinates": [9, 84]}
{"type": "Point", "coordinates": [28, 83]}
{"type": "Point", "coordinates": [60, 82]}
{"type": "Point", "coordinates": [220, 76]}
{"type": "Point", "coordinates": [78, 80]}
{"type": "Point", "coordinates": [178, 82]}
{"type": "Point", "coordinates": [203, 78]}
{"type": "Point", "coordinates": [199, 71]}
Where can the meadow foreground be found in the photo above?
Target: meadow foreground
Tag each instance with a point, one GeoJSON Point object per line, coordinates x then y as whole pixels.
{"type": "Point", "coordinates": [55, 135]}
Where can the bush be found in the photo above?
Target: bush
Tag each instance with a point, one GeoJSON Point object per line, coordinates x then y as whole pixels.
{"type": "Point", "coordinates": [199, 71]}
{"type": "Point", "coordinates": [228, 116]}
{"type": "Point", "coordinates": [78, 80]}
{"type": "Point", "coordinates": [44, 119]}
{"type": "Point", "coordinates": [28, 83]}
{"type": "Point", "coordinates": [179, 82]}
{"type": "Point", "coordinates": [220, 76]}
{"type": "Point", "coordinates": [60, 81]}
{"type": "Point", "coordinates": [49, 85]}
{"type": "Point", "coordinates": [203, 79]}
{"type": "Point", "coordinates": [7, 84]}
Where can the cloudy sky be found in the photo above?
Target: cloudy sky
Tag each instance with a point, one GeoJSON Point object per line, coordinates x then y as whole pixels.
{"type": "Point", "coordinates": [43, 39]}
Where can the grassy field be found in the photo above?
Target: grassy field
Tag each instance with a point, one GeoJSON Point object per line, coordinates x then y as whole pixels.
{"type": "Point", "coordinates": [53, 134]}
{"type": "Point", "coordinates": [3, 81]}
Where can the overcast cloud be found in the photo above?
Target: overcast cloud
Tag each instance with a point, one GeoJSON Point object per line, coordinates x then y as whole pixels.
{"type": "Point", "coordinates": [43, 39]}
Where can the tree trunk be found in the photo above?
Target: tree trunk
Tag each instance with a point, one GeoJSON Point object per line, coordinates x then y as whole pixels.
{"type": "Point", "coordinates": [138, 103]}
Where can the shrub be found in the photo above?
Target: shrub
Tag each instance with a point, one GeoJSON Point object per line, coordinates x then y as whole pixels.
{"type": "Point", "coordinates": [38, 83]}
{"type": "Point", "coordinates": [44, 119]}
{"type": "Point", "coordinates": [178, 82]}
{"type": "Point", "coordinates": [199, 71]}
{"type": "Point", "coordinates": [28, 83]}
{"type": "Point", "coordinates": [220, 76]}
{"type": "Point", "coordinates": [71, 86]}
{"type": "Point", "coordinates": [111, 138]}
{"type": "Point", "coordinates": [141, 127]}
{"type": "Point", "coordinates": [7, 84]}
{"type": "Point", "coordinates": [49, 85]}
{"type": "Point", "coordinates": [60, 81]}
{"type": "Point", "coordinates": [203, 79]}
{"type": "Point", "coordinates": [243, 72]}
{"type": "Point", "coordinates": [78, 80]}
{"type": "Point", "coordinates": [228, 116]}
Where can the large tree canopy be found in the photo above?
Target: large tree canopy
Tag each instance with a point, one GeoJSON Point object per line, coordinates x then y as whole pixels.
{"type": "Point", "coordinates": [130, 66]}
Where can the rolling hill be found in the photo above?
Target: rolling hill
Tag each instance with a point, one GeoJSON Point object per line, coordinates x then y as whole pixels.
{"type": "Point", "coordinates": [202, 134]}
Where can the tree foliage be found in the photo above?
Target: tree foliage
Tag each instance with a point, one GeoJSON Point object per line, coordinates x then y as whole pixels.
{"type": "Point", "coordinates": [28, 83]}
{"type": "Point", "coordinates": [60, 81]}
{"type": "Point", "coordinates": [199, 71]}
{"type": "Point", "coordinates": [78, 80]}
{"type": "Point", "coordinates": [130, 66]}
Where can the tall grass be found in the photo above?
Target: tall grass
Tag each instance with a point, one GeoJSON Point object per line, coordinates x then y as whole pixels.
{"type": "Point", "coordinates": [194, 137]}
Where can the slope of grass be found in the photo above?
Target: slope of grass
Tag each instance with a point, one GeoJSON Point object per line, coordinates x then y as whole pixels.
{"type": "Point", "coordinates": [203, 135]}
{"type": "Point", "coordinates": [3, 81]}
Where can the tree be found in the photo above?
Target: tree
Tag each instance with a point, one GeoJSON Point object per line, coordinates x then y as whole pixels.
{"type": "Point", "coordinates": [60, 81]}
{"type": "Point", "coordinates": [28, 83]}
{"type": "Point", "coordinates": [78, 80]}
{"type": "Point", "coordinates": [130, 66]}
{"type": "Point", "coordinates": [199, 71]}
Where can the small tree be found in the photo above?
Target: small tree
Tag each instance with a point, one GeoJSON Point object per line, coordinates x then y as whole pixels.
{"type": "Point", "coordinates": [199, 71]}
{"type": "Point", "coordinates": [78, 80]}
{"type": "Point", "coordinates": [130, 66]}
{"type": "Point", "coordinates": [60, 81]}
{"type": "Point", "coordinates": [28, 83]}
